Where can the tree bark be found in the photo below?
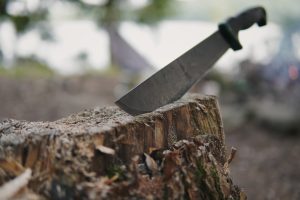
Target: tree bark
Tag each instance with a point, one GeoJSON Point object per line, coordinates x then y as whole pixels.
{"type": "Point", "coordinates": [106, 153]}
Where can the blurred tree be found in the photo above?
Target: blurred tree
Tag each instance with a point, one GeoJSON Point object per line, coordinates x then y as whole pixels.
{"type": "Point", "coordinates": [26, 15]}
{"type": "Point", "coordinates": [22, 14]}
{"type": "Point", "coordinates": [35, 14]}
{"type": "Point", "coordinates": [3, 4]}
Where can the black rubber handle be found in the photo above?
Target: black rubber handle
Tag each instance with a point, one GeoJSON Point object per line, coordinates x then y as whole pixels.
{"type": "Point", "coordinates": [230, 29]}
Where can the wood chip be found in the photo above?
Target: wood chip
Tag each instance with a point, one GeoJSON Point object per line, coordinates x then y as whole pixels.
{"type": "Point", "coordinates": [106, 150]}
{"type": "Point", "coordinates": [151, 164]}
{"type": "Point", "coordinates": [11, 166]}
{"type": "Point", "coordinates": [232, 154]}
{"type": "Point", "coordinates": [11, 188]}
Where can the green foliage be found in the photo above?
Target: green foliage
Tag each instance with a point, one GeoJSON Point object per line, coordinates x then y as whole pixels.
{"type": "Point", "coordinates": [115, 10]}
{"type": "Point", "coordinates": [109, 12]}
{"type": "Point", "coordinates": [155, 11]}
{"type": "Point", "coordinates": [3, 6]}
{"type": "Point", "coordinates": [21, 22]}
{"type": "Point", "coordinates": [25, 18]}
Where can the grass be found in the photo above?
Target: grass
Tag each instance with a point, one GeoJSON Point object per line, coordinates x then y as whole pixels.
{"type": "Point", "coordinates": [27, 68]}
{"type": "Point", "coordinates": [31, 68]}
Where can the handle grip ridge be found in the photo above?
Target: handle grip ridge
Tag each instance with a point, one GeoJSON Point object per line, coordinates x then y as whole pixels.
{"type": "Point", "coordinates": [230, 29]}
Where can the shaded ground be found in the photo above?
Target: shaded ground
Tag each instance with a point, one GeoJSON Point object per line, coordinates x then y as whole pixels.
{"type": "Point", "coordinates": [266, 166]}
{"type": "Point", "coordinates": [53, 98]}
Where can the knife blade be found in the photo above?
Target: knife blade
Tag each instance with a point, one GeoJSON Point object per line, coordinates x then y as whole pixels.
{"type": "Point", "coordinates": [172, 82]}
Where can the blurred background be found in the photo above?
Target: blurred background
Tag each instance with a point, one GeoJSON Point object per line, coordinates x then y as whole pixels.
{"type": "Point", "coordinates": [58, 57]}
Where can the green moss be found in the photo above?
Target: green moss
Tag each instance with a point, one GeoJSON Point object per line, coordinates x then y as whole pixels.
{"type": "Point", "coordinates": [166, 193]}
{"type": "Point", "coordinates": [114, 170]}
{"type": "Point", "coordinates": [201, 174]}
{"type": "Point", "coordinates": [214, 173]}
{"type": "Point", "coordinates": [215, 176]}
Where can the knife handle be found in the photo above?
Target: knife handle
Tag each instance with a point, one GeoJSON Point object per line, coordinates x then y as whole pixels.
{"type": "Point", "coordinates": [230, 29]}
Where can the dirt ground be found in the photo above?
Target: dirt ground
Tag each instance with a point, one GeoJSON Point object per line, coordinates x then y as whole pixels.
{"type": "Point", "coordinates": [266, 165]}
{"type": "Point", "coordinates": [48, 99]}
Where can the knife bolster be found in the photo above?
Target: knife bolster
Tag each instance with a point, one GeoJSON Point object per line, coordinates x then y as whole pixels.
{"type": "Point", "coordinates": [230, 36]}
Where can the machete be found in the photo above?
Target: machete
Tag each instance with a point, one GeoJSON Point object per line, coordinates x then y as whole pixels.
{"type": "Point", "coordinates": [172, 82]}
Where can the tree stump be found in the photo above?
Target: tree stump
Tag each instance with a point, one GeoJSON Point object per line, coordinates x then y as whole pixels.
{"type": "Point", "coordinates": [175, 152]}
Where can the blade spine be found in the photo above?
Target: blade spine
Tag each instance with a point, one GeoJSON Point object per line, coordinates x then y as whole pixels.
{"type": "Point", "coordinates": [164, 67]}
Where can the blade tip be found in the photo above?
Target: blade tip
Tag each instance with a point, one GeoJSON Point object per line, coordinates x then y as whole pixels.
{"type": "Point", "coordinates": [127, 109]}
